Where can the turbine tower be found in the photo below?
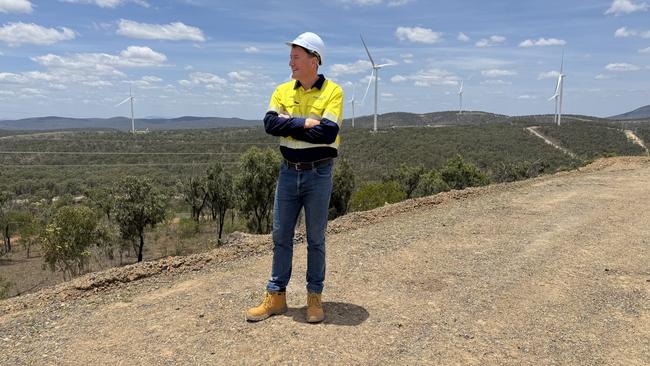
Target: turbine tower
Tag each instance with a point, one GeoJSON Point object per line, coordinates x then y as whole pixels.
{"type": "Point", "coordinates": [375, 71]}
{"type": "Point", "coordinates": [559, 93]}
{"type": "Point", "coordinates": [130, 98]}
{"type": "Point", "coordinates": [352, 101]}
{"type": "Point", "coordinates": [460, 98]}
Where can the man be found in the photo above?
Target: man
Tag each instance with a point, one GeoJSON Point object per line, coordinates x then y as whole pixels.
{"type": "Point", "coordinates": [306, 113]}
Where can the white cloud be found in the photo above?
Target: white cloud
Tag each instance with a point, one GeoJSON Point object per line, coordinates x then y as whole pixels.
{"type": "Point", "coordinates": [251, 49]}
{"type": "Point", "coordinates": [15, 34]}
{"type": "Point", "coordinates": [240, 75]}
{"type": "Point", "coordinates": [204, 78]}
{"type": "Point", "coordinates": [542, 42]}
{"type": "Point", "coordinates": [428, 78]}
{"type": "Point", "coordinates": [623, 32]}
{"type": "Point", "coordinates": [390, 3]}
{"type": "Point", "coordinates": [394, 3]}
{"type": "Point", "coordinates": [493, 73]}
{"type": "Point", "coordinates": [619, 7]}
{"type": "Point", "coordinates": [136, 56]}
{"type": "Point", "coordinates": [489, 42]}
{"type": "Point", "coordinates": [602, 77]}
{"type": "Point", "coordinates": [526, 97]}
{"type": "Point", "coordinates": [418, 35]}
{"type": "Point", "coordinates": [360, 2]}
{"type": "Point", "coordinates": [8, 77]}
{"type": "Point", "coordinates": [97, 83]}
{"type": "Point", "coordinates": [548, 75]}
{"type": "Point", "coordinates": [15, 6]}
{"type": "Point", "coordinates": [644, 50]}
{"type": "Point", "coordinates": [347, 69]}
{"type": "Point", "coordinates": [152, 79]}
{"type": "Point", "coordinates": [622, 67]}
{"type": "Point", "coordinates": [91, 67]}
{"type": "Point", "coordinates": [176, 31]}
{"type": "Point", "coordinates": [108, 3]}
{"type": "Point", "coordinates": [407, 58]}
{"type": "Point", "coordinates": [462, 37]}
{"type": "Point", "coordinates": [495, 82]}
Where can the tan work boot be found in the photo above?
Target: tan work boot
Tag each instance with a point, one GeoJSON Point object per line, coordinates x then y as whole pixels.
{"type": "Point", "coordinates": [315, 312]}
{"type": "Point", "coordinates": [274, 303]}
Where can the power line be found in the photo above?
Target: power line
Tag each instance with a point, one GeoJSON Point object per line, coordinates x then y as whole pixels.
{"type": "Point", "coordinates": [108, 165]}
{"type": "Point", "coordinates": [116, 153]}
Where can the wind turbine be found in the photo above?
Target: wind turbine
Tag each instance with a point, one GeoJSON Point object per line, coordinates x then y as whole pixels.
{"type": "Point", "coordinates": [124, 101]}
{"type": "Point", "coordinates": [559, 93]}
{"type": "Point", "coordinates": [375, 71]}
{"type": "Point", "coordinates": [460, 98]}
{"type": "Point", "coordinates": [352, 101]}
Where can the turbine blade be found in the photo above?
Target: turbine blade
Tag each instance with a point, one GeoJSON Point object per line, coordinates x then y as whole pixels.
{"type": "Point", "coordinates": [553, 97]}
{"type": "Point", "coordinates": [460, 91]}
{"type": "Point", "coordinates": [368, 87]}
{"type": "Point", "coordinates": [122, 102]}
{"type": "Point", "coordinates": [562, 62]}
{"type": "Point", "coordinates": [386, 64]}
{"type": "Point", "coordinates": [368, 52]}
{"type": "Point", "coordinates": [559, 81]}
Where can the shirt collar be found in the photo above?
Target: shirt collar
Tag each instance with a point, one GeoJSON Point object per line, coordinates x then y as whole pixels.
{"type": "Point", "coordinates": [318, 84]}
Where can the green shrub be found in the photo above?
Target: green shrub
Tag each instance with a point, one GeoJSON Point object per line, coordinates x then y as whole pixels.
{"type": "Point", "coordinates": [459, 175]}
{"type": "Point", "coordinates": [429, 184]}
{"type": "Point", "coordinates": [372, 195]}
{"type": "Point", "coordinates": [343, 184]}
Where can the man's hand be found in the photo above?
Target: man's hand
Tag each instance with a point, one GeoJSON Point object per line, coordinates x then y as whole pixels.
{"type": "Point", "coordinates": [310, 122]}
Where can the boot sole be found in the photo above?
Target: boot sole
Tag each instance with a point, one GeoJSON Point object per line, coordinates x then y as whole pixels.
{"type": "Point", "coordinates": [315, 320]}
{"type": "Point", "coordinates": [251, 318]}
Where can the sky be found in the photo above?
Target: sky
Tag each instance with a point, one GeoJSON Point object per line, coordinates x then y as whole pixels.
{"type": "Point", "coordinates": [78, 58]}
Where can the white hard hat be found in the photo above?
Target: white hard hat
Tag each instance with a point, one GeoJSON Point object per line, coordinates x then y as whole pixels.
{"type": "Point", "coordinates": [311, 42]}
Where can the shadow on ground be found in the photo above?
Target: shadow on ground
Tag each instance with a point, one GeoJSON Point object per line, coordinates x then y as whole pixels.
{"type": "Point", "coordinates": [337, 313]}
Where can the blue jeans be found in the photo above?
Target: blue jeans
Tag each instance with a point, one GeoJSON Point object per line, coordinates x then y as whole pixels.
{"type": "Point", "coordinates": [310, 189]}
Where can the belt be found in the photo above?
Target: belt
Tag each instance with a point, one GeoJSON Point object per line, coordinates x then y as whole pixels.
{"type": "Point", "coordinates": [307, 166]}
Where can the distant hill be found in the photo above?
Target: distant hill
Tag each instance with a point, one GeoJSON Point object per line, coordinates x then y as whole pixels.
{"type": "Point", "coordinates": [639, 113]}
{"type": "Point", "coordinates": [122, 123]}
{"type": "Point", "coordinates": [451, 118]}
{"type": "Point", "coordinates": [387, 120]}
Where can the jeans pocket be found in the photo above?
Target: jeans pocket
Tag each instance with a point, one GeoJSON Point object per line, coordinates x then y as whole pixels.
{"type": "Point", "coordinates": [324, 171]}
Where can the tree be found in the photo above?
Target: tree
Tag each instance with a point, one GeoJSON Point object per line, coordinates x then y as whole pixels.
{"type": "Point", "coordinates": [408, 178]}
{"type": "Point", "coordinates": [5, 222]}
{"type": "Point", "coordinates": [28, 227]}
{"type": "Point", "coordinates": [459, 175]}
{"type": "Point", "coordinates": [220, 194]}
{"type": "Point", "coordinates": [138, 204]}
{"type": "Point", "coordinates": [194, 193]}
{"type": "Point", "coordinates": [66, 241]}
{"type": "Point", "coordinates": [430, 183]}
{"type": "Point", "coordinates": [372, 195]}
{"type": "Point", "coordinates": [103, 199]}
{"type": "Point", "coordinates": [343, 185]}
{"type": "Point", "coordinates": [255, 185]}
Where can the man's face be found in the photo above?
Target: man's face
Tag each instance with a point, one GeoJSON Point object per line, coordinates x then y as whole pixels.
{"type": "Point", "coordinates": [302, 64]}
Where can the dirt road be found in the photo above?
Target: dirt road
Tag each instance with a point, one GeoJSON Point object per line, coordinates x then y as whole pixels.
{"type": "Point", "coordinates": [550, 271]}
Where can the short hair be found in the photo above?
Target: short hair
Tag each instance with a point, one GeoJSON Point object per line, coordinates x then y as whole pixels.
{"type": "Point", "coordinates": [309, 52]}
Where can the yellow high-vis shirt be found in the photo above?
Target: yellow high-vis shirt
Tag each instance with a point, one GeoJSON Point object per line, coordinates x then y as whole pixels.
{"type": "Point", "coordinates": [323, 101]}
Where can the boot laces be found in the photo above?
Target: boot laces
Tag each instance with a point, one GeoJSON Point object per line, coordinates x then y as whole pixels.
{"type": "Point", "coordinates": [267, 300]}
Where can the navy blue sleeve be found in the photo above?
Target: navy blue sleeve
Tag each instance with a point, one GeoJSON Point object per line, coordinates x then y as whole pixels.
{"type": "Point", "coordinates": [324, 133]}
{"type": "Point", "coordinates": [279, 126]}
